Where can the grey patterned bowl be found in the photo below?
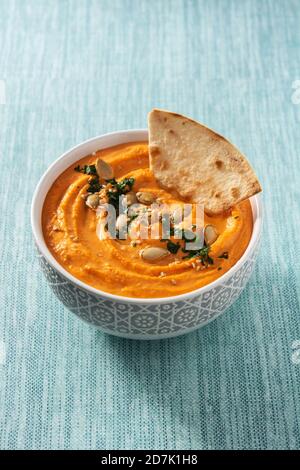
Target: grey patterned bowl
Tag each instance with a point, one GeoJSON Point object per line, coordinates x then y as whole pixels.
{"type": "Point", "coordinates": [130, 317]}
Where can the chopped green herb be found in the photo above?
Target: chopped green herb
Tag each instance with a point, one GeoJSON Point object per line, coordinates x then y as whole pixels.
{"type": "Point", "coordinates": [237, 217]}
{"type": "Point", "coordinates": [173, 247]}
{"type": "Point", "coordinates": [118, 189]}
{"type": "Point", "coordinates": [203, 254]}
{"type": "Point", "coordinates": [125, 185]}
{"type": "Point", "coordinates": [113, 198]}
{"type": "Point", "coordinates": [86, 169]}
{"type": "Point", "coordinates": [94, 185]}
{"type": "Point", "coordinates": [132, 217]}
{"type": "Point", "coordinates": [112, 181]}
{"type": "Point", "coordinates": [224, 255]}
{"type": "Point", "coordinates": [219, 268]}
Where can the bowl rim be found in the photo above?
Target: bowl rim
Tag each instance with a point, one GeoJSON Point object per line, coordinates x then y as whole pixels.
{"type": "Point", "coordinates": [36, 226]}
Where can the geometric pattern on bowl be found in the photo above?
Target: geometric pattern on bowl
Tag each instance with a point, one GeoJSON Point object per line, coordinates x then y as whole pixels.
{"type": "Point", "coordinates": [149, 321]}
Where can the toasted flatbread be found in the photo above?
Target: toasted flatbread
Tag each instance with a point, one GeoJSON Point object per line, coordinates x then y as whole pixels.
{"type": "Point", "coordinates": [198, 164]}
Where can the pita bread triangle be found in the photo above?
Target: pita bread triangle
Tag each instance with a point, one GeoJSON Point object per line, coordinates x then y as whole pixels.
{"type": "Point", "coordinates": [198, 164]}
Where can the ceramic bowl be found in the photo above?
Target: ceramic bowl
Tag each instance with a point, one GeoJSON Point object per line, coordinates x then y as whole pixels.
{"type": "Point", "coordinates": [130, 317]}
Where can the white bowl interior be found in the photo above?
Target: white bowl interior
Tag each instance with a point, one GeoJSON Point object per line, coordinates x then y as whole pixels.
{"type": "Point", "coordinates": [86, 148]}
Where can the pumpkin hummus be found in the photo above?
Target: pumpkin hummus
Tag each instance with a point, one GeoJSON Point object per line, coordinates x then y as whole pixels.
{"type": "Point", "coordinates": [116, 266]}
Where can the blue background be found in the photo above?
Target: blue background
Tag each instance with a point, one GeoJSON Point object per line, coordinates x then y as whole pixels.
{"type": "Point", "coordinates": [76, 69]}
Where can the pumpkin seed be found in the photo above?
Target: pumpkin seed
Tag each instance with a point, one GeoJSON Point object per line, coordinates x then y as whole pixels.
{"type": "Point", "coordinates": [153, 253]}
{"type": "Point", "coordinates": [104, 170]}
{"type": "Point", "coordinates": [92, 201]}
{"type": "Point", "coordinates": [210, 234]}
{"type": "Point", "coordinates": [145, 198]}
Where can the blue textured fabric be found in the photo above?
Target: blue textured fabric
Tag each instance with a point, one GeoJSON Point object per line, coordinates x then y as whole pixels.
{"type": "Point", "coordinates": [70, 70]}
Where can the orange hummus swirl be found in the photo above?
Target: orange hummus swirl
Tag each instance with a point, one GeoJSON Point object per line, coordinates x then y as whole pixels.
{"type": "Point", "coordinates": [115, 266]}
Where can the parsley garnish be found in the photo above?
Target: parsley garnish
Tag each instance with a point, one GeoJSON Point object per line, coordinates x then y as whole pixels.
{"type": "Point", "coordinates": [224, 255]}
{"type": "Point", "coordinates": [118, 189]}
{"type": "Point", "coordinates": [173, 247]}
{"type": "Point", "coordinates": [86, 169]}
{"type": "Point", "coordinates": [125, 185]}
{"type": "Point", "coordinates": [94, 185]}
{"type": "Point", "coordinates": [132, 217]}
{"type": "Point", "coordinates": [203, 254]}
